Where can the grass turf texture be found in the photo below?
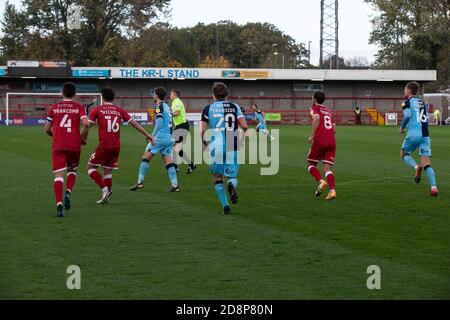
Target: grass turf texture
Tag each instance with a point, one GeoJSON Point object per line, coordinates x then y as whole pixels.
{"type": "Point", "coordinates": [280, 243]}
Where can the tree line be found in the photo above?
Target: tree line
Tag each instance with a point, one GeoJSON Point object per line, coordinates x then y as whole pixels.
{"type": "Point", "coordinates": [411, 34]}
{"type": "Point", "coordinates": [130, 33]}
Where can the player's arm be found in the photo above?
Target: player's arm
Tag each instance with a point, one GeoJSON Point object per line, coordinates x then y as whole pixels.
{"type": "Point", "coordinates": [49, 123]}
{"type": "Point", "coordinates": [203, 127]}
{"type": "Point", "coordinates": [204, 123]}
{"type": "Point", "coordinates": [92, 123]}
{"type": "Point", "coordinates": [241, 119]}
{"type": "Point", "coordinates": [48, 128]}
{"type": "Point", "coordinates": [85, 131]}
{"type": "Point", "coordinates": [158, 126]}
{"type": "Point", "coordinates": [243, 124]}
{"type": "Point", "coordinates": [93, 117]}
{"type": "Point", "coordinates": [176, 110]}
{"type": "Point", "coordinates": [406, 118]}
{"type": "Point", "coordinates": [141, 129]}
{"type": "Point", "coordinates": [315, 125]}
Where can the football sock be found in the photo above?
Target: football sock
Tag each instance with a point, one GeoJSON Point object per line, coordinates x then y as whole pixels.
{"type": "Point", "coordinates": [410, 161]}
{"type": "Point", "coordinates": [315, 173]}
{"type": "Point", "coordinates": [429, 171]}
{"type": "Point", "coordinates": [71, 179]}
{"type": "Point", "coordinates": [172, 173]}
{"type": "Point", "coordinates": [97, 178]}
{"type": "Point", "coordinates": [234, 182]}
{"type": "Point", "coordinates": [143, 170]}
{"type": "Point", "coordinates": [331, 180]}
{"type": "Point", "coordinates": [58, 186]}
{"type": "Point", "coordinates": [108, 181]}
{"type": "Point", "coordinates": [221, 194]}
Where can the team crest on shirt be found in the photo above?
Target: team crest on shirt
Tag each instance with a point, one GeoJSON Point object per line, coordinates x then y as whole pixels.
{"type": "Point", "coordinates": [158, 110]}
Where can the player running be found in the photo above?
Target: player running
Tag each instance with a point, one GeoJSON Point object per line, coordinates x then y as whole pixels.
{"type": "Point", "coordinates": [109, 118]}
{"type": "Point", "coordinates": [63, 125]}
{"type": "Point", "coordinates": [262, 124]}
{"type": "Point", "coordinates": [416, 120]}
{"type": "Point", "coordinates": [181, 131]}
{"type": "Point", "coordinates": [162, 143]}
{"type": "Point", "coordinates": [323, 140]}
{"type": "Point", "coordinates": [224, 119]}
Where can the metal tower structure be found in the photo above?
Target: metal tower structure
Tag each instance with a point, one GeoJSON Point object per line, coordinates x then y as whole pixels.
{"type": "Point", "coordinates": [329, 33]}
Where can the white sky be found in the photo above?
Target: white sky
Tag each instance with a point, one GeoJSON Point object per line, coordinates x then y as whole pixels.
{"type": "Point", "coordinates": [298, 18]}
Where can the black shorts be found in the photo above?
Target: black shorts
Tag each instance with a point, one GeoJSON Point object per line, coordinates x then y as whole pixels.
{"type": "Point", "coordinates": [181, 136]}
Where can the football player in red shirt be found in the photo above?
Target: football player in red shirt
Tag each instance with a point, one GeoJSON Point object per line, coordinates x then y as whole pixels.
{"type": "Point", "coordinates": [109, 118]}
{"type": "Point", "coordinates": [323, 141]}
{"type": "Point", "coordinates": [63, 125]}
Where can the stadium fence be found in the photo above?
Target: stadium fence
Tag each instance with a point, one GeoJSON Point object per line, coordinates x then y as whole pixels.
{"type": "Point", "coordinates": [29, 108]}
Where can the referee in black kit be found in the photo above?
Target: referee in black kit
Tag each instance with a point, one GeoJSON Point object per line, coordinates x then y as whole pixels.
{"type": "Point", "coordinates": [181, 131]}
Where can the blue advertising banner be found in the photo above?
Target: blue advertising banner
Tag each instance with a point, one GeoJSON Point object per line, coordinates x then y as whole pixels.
{"type": "Point", "coordinates": [2, 72]}
{"type": "Point", "coordinates": [91, 73]}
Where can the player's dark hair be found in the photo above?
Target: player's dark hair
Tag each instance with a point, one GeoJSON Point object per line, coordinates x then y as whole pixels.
{"type": "Point", "coordinates": [319, 96]}
{"type": "Point", "coordinates": [414, 87]}
{"type": "Point", "coordinates": [177, 93]}
{"type": "Point", "coordinates": [69, 90]}
{"type": "Point", "coordinates": [220, 90]}
{"type": "Point", "coordinates": [108, 94]}
{"type": "Point", "coordinates": [161, 93]}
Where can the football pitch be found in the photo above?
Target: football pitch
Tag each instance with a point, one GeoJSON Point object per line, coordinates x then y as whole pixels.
{"type": "Point", "coordinates": [279, 243]}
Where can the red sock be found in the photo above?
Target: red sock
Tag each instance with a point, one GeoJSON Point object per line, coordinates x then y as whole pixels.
{"type": "Point", "coordinates": [331, 180]}
{"type": "Point", "coordinates": [71, 179]}
{"type": "Point", "coordinates": [109, 181]}
{"type": "Point", "coordinates": [58, 186]}
{"type": "Point", "coordinates": [315, 173]}
{"type": "Point", "coordinates": [97, 178]}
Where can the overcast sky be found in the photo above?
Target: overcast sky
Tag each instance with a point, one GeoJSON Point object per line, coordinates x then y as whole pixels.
{"type": "Point", "coordinates": [298, 18]}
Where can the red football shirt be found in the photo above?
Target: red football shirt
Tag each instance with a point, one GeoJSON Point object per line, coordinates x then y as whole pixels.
{"type": "Point", "coordinates": [66, 118]}
{"type": "Point", "coordinates": [325, 134]}
{"type": "Point", "coordinates": [109, 118]}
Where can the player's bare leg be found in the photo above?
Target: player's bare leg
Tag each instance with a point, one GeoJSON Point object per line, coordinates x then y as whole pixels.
{"type": "Point", "coordinates": [331, 181]}
{"type": "Point", "coordinates": [172, 173]}
{"type": "Point", "coordinates": [221, 193]}
{"type": "Point", "coordinates": [312, 169]}
{"type": "Point", "coordinates": [429, 171]}
{"type": "Point", "coordinates": [406, 157]}
{"type": "Point", "coordinates": [58, 186]}
{"type": "Point", "coordinates": [143, 170]}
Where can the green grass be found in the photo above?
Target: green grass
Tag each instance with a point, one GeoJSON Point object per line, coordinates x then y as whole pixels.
{"type": "Point", "coordinates": [280, 243]}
